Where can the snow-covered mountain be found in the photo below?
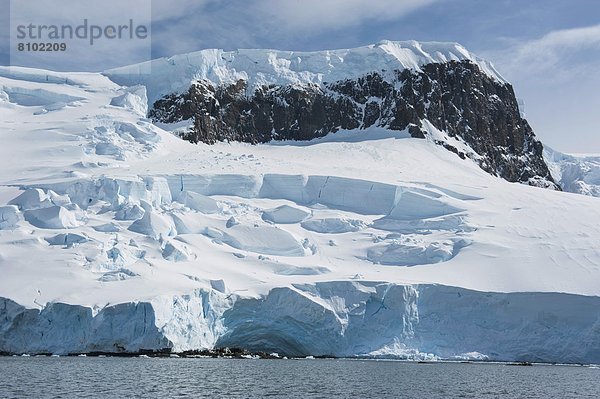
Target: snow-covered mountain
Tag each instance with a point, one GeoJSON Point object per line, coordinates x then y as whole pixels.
{"type": "Point", "coordinates": [436, 91]}
{"type": "Point", "coordinates": [117, 236]}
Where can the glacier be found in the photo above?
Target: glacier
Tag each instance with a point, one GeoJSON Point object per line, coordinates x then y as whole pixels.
{"type": "Point", "coordinates": [118, 237]}
{"type": "Point", "coordinates": [341, 318]}
{"type": "Point", "coordinates": [576, 173]}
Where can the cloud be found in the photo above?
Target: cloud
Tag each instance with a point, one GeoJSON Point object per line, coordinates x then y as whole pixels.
{"type": "Point", "coordinates": [557, 76]}
{"type": "Point", "coordinates": [174, 9]}
{"type": "Point", "coordinates": [562, 52]}
{"type": "Point", "coordinates": [180, 26]}
{"type": "Point", "coordinates": [314, 16]}
{"type": "Point", "coordinates": [64, 20]}
{"type": "Point", "coordinates": [71, 11]}
{"type": "Point", "coordinates": [284, 24]}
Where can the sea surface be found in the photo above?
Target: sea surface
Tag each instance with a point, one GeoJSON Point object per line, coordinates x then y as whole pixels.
{"type": "Point", "coordinates": [93, 377]}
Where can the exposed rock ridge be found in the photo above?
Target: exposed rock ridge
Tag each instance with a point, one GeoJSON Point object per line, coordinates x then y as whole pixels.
{"type": "Point", "coordinates": [462, 103]}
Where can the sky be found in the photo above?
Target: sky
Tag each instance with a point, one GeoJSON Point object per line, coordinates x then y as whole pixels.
{"type": "Point", "coordinates": [548, 49]}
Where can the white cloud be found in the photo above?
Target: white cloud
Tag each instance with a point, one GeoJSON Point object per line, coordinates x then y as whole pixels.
{"type": "Point", "coordinates": [162, 10]}
{"type": "Point", "coordinates": [557, 75]}
{"type": "Point", "coordinates": [185, 25]}
{"type": "Point", "coordinates": [566, 51]}
{"type": "Point", "coordinates": [71, 11]}
{"type": "Point", "coordinates": [323, 15]}
{"type": "Point", "coordinates": [80, 54]}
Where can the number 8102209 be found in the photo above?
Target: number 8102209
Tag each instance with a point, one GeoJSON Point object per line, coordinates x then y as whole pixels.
{"type": "Point", "coordinates": [42, 46]}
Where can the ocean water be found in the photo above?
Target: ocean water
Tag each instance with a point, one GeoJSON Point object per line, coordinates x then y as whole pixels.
{"type": "Point", "coordinates": [78, 377]}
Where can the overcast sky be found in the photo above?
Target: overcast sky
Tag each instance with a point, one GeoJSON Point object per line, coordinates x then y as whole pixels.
{"type": "Point", "coordinates": [548, 49]}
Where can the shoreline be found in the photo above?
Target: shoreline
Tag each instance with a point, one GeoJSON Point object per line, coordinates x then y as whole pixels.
{"type": "Point", "coordinates": [241, 354]}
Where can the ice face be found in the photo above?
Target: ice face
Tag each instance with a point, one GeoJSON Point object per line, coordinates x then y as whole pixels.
{"type": "Point", "coordinates": [417, 322]}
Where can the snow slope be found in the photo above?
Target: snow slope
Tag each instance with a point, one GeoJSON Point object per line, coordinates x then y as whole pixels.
{"type": "Point", "coordinates": [273, 67]}
{"type": "Point", "coordinates": [117, 236]}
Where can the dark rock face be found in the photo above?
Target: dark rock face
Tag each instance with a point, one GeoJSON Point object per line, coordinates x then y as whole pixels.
{"type": "Point", "coordinates": [457, 98]}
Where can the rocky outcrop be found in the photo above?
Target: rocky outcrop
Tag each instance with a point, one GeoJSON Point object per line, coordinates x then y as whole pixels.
{"type": "Point", "coordinates": [466, 106]}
